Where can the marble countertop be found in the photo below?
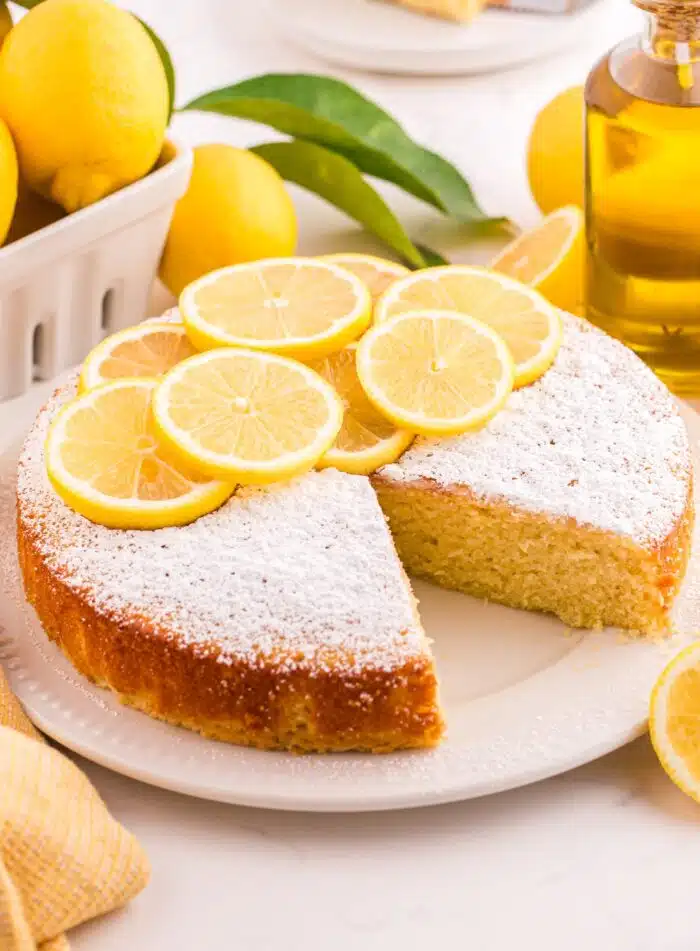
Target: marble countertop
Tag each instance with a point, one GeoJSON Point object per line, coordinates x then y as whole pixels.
{"type": "Point", "coordinates": [604, 857]}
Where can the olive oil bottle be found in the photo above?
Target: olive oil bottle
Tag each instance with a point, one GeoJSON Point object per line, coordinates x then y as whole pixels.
{"type": "Point", "coordinates": [643, 192]}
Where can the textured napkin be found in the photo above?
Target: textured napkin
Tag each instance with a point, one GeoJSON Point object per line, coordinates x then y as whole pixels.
{"type": "Point", "coordinates": [63, 859]}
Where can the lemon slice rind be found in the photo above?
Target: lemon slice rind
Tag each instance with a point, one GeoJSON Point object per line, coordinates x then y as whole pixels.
{"type": "Point", "coordinates": [112, 512]}
{"type": "Point", "coordinates": [420, 423]}
{"type": "Point", "coordinates": [230, 466]}
{"type": "Point", "coordinates": [345, 328]}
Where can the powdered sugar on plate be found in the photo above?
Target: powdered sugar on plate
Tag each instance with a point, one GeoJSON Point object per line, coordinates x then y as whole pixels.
{"type": "Point", "coordinates": [297, 573]}
{"type": "Point", "coordinates": [598, 438]}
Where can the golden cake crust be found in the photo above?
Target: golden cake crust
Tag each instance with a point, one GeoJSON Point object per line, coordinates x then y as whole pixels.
{"type": "Point", "coordinates": [257, 705]}
{"type": "Point", "coordinates": [235, 664]}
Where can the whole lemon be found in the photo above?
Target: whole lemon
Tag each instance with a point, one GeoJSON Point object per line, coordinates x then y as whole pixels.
{"type": "Point", "coordinates": [555, 153]}
{"type": "Point", "coordinates": [5, 22]}
{"type": "Point", "coordinates": [235, 209]}
{"type": "Point", "coordinates": [84, 93]}
{"type": "Point", "coordinates": [8, 180]}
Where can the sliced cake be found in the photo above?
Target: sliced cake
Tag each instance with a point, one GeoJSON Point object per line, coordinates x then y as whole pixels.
{"type": "Point", "coordinates": [284, 620]}
{"type": "Point", "coordinates": [576, 499]}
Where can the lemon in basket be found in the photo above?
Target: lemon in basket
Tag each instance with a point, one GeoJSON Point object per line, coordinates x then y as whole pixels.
{"type": "Point", "coordinates": [8, 180]}
{"type": "Point", "coordinates": [85, 96]}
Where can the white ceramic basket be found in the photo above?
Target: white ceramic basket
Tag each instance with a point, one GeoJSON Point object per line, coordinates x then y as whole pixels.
{"type": "Point", "coordinates": [63, 288]}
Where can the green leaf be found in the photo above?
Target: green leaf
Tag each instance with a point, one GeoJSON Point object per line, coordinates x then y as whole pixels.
{"type": "Point", "coordinates": [27, 4]}
{"type": "Point", "coordinates": [333, 114]}
{"type": "Point", "coordinates": [335, 179]}
{"type": "Point", "coordinates": [167, 62]}
{"type": "Point", "coordinates": [431, 257]}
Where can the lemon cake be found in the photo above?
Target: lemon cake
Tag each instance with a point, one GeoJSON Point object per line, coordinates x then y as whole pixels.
{"type": "Point", "coordinates": [282, 620]}
{"type": "Point", "coordinates": [576, 499]}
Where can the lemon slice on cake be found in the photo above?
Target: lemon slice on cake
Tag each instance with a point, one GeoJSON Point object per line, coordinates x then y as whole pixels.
{"type": "Point", "coordinates": [530, 326]}
{"type": "Point", "coordinates": [377, 273]}
{"type": "Point", "coordinates": [147, 350]}
{"type": "Point", "coordinates": [246, 415]}
{"type": "Point", "coordinates": [435, 372]}
{"type": "Point", "coordinates": [367, 439]}
{"type": "Point", "coordinates": [551, 258]}
{"type": "Point", "coordinates": [674, 720]}
{"type": "Point", "coordinates": [105, 460]}
{"type": "Point", "coordinates": [297, 307]}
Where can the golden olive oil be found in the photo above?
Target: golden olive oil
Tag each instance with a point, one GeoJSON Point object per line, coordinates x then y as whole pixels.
{"type": "Point", "coordinates": [643, 193]}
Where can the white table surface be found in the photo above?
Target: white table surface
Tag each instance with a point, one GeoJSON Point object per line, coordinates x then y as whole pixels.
{"type": "Point", "coordinates": [605, 857]}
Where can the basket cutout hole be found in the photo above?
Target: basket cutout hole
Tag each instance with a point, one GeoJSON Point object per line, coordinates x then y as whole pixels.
{"type": "Point", "coordinates": [38, 351]}
{"type": "Point", "coordinates": [109, 301]}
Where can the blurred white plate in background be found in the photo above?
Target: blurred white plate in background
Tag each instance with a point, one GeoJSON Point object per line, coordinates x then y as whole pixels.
{"type": "Point", "coordinates": [384, 38]}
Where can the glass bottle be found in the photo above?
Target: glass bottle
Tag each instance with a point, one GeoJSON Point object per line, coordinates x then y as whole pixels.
{"type": "Point", "coordinates": [643, 192]}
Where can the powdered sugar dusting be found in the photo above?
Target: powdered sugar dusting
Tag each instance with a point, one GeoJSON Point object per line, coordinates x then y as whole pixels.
{"type": "Point", "coordinates": [598, 438]}
{"type": "Point", "coordinates": [299, 574]}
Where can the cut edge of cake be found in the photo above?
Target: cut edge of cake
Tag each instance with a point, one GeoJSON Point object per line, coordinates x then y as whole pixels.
{"type": "Point", "coordinates": [282, 632]}
{"type": "Point", "coordinates": [585, 515]}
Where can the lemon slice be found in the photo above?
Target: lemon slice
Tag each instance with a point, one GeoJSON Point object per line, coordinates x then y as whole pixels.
{"type": "Point", "coordinates": [527, 322]}
{"type": "Point", "coordinates": [674, 720]}
{"type": "Point", "coordinates": [297, 307]}
{"type": "Point", "coordinates": [435, 372]}
{"type": "Point", "coordinates": [376, 273]}
{"type": "Point", "coordinates": [367, 439]}
{"type": "Point", "coordinates": [551, 258]}
{"type": "Point", "coordinates": [105, 460]}
{"type": "Point", "coordinates": [245, 415]}
{"type": "Point", "coordinates": [148, 350]}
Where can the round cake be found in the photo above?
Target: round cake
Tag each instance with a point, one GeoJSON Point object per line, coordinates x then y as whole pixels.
{"type": "Point", "coordinates": [285, 621]}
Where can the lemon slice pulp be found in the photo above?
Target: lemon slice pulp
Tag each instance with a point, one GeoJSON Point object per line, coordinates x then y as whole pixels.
{"type": "Point", "coordinates": [674, 720]}
{"type": "Point", "coordinates": [367, 439]}
{"type": "Point", "coordinates": [296, 307]}
{"type": "Point", "coordinates": [435, 372]}
{"type": "Point", "coordinates": [105, 460]}
{"type": "Point", "coordinates": [147, 350]}
{"type": "Point", "coordinates": [247, 415]}
{"type": "Point", "coordinates": [530, 326]}
{"type": "Point", "coordinates": [551, 258]}
{"type": "Point", "coordinates": [376, 273]}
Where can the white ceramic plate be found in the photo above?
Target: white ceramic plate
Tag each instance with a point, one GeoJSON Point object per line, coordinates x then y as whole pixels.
{"type": "Point", "coordinates": [524, 699]}
{"type": "Point", "coordinates": [377, 36]}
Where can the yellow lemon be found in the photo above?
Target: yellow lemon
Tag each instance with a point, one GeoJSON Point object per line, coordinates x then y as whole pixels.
{"type": "Point", "coordinates": [299, 307]}
{"type": "Point", "coordinates": [674, 720]}
{"type": "Point", "coordinates": [149, 349]}
{"type": "Point", "coordinates": [529, 325]}
{"type": "Point", "coordinates": [106, 461]}
{"type": "Point", "coordinates": [5, 22]}
{"type": "Point", "coordinates": [235, 210]}
{"type": "Point", "coordinates": [246, 416]}
{"type": "Point", "coordinates": [84, 93]}
{"type": "Point", "coordinates": [555, 152]}
{"type": "Point", "coordinates": [8, 180]}
{"type": "Point", "coordinates": [435, 372]}
{"type": "Point", "coordinates": [551, 258]}
{"type": "Point", "coordinates": [377, 273]}
{"type": "Point", "coordinates": [367, 439]}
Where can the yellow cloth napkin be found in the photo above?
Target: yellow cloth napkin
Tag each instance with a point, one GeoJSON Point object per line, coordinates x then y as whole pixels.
{"type": "Point", "coordinates": [63, 858]}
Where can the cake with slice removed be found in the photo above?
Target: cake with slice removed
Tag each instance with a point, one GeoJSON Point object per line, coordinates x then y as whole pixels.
{"type": "Point", "coordinates": [576, 499]}
{"type": "Point", "coordinates": [283, 620]}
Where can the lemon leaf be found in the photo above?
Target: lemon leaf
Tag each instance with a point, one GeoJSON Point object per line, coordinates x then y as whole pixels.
{"type": "Point", "coordinates": [338, 181]}
{"type": "Point", "coordinates": [332, 114]}
{"type": "Point", "coordinates": [431, 257]}
{"type": "Point", "coordinates": [167, 62]}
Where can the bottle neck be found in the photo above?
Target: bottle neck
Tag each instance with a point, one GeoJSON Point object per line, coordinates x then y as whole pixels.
{"type": "Point", "coordinates": [672, 29]}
